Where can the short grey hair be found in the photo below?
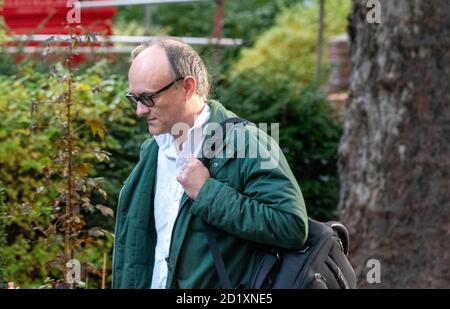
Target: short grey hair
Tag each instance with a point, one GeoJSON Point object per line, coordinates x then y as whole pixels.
{"type": "Point", "coordinates": [184, 61]}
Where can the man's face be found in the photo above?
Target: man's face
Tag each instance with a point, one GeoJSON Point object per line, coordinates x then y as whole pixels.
{"type": "Point", "coordinates": [150, 72]}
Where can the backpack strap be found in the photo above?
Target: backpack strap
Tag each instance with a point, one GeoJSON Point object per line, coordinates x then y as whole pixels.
{"type": "Point", "coordinates": [211, 230]}
{"type": "Point", "coordinates": [223, 125]}
{"type": "Point", "coordinates": [264, 268]}
{"type": "Point", "coordinates": [217, 256]}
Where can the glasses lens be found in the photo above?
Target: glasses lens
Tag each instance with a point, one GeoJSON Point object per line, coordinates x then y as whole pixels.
{"type": "Point", "coordinates": [147, 101]}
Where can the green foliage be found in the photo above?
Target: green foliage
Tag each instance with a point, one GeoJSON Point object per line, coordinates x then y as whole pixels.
{"type": "Point", "coordinates": [3, 222]}
{"type": "Point", "coordinates": [30, 163]}
{"type": "Point", "coordinates": [290, 46]}
{"type": "Point", "coordinates": [308, 134]}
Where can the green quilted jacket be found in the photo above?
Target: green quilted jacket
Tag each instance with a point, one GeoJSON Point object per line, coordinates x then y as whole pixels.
{"type": "Point", "coordinates": [252, 208]}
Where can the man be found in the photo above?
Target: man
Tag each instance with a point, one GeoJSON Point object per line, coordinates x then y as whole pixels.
{"type": "Point", "coordinates": [160, 241]}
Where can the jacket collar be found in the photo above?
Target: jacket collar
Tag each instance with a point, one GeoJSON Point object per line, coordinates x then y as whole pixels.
{"type": "Point", "coordinates": [218, 112]}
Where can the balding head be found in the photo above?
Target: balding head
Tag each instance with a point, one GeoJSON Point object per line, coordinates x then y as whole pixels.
{"type": "Point", "coordinates": [183, 59]}
{"type": "Point", "coordinates": [167, 74]}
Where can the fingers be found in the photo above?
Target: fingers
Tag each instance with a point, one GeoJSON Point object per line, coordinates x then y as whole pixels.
{"type": "Point", "coordinates": [187, 168]}
{"type": "Point", "coordinates": [191, 162]}
{"type": "Point", "coordinates": [182, 176]}
{"type": "Point", "coordinates": [193, 176]}
{"type": "Point", "coordinates": [190, 158]}
{"type": "Point", "coordinates": [191, 167]}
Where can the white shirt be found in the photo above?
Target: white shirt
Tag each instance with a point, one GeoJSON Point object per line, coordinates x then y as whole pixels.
{"type": "Point", "coordinates": [169, 191]}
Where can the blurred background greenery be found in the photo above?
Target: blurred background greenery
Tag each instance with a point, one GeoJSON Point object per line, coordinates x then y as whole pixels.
{"type": "Point", "coordinates": [270, 78]}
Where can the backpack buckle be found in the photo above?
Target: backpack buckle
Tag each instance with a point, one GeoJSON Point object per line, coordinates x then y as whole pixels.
{"type": "Point", "coordinates": [276, 253]}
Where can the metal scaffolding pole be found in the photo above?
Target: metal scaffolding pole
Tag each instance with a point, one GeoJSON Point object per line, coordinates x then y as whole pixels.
{"type": "Point", "coordinates": [109, 3]}
{"type": "Point", "coordinates": [48, 38]}
{"type": "Point", "coordinates": [147, 19]}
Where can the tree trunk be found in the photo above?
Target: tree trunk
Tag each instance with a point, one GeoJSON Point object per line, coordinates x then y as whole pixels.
{"type": "Point", "coordinates": [394, 155]}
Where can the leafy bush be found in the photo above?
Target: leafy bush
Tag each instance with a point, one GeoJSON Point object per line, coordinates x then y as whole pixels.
{"type": "Point", "coordinates": [3, 221]}
{"type": "Point", "coordinates": [288, 49]}
{"type": "Point", "coordinates": [29, 162]}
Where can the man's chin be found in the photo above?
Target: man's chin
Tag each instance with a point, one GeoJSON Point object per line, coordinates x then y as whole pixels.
{"type": "Point", "coordinates": [155, 131]}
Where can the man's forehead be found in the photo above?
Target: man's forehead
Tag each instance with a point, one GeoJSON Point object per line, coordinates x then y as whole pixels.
{"type": "Point", "coordinates": [149, 69]}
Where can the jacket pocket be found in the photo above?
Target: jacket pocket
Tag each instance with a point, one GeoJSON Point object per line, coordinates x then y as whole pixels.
{"type": "Point", "coordinates": [143, 244]}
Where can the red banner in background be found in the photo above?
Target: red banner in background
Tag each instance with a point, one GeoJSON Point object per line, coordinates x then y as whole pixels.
{"type": "Point", "coordinates": [53, 16]}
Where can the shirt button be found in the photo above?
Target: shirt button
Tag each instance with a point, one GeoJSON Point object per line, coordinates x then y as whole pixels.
{"type": "Point", "coordinates": [216, 164]}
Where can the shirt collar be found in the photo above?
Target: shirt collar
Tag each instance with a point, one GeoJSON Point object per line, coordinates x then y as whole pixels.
{"type": "Point", "coordinates": [166, 141]}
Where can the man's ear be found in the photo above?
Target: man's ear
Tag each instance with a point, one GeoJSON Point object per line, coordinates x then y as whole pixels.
{"type": "Point", "coordinates": [189, 85]}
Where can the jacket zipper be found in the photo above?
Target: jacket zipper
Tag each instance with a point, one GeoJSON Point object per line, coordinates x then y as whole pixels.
{"type": "Point", "coordinates": [173, 229]}
{"type": "Point", "coordinates": [115, 238]}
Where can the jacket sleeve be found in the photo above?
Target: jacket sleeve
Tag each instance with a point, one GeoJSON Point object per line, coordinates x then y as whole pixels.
{"type": "Point", "coordinates": [269, 209]}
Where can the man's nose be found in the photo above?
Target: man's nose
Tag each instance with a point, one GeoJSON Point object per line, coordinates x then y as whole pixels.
{"type": "Point", "coordinates": [142, 110]}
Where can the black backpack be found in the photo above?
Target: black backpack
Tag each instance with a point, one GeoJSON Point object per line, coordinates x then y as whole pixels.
{"type": "Point", "coordinates": [321, 264]}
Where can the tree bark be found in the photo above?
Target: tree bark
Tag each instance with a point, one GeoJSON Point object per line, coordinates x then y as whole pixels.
{"type": "Point", "coordinates": [394, 155]}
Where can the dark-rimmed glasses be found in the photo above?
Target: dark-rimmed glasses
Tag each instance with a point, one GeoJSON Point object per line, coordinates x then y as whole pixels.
{"type": "Point", "coordinates": [148, 98]}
